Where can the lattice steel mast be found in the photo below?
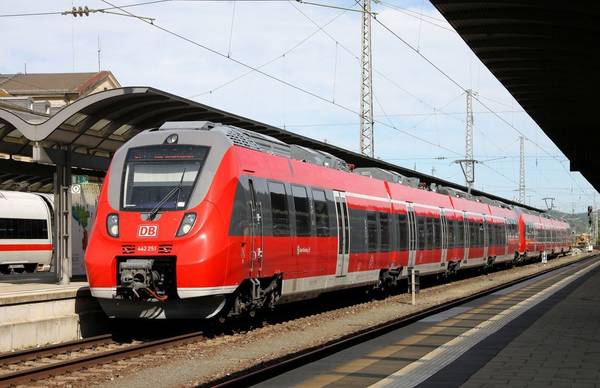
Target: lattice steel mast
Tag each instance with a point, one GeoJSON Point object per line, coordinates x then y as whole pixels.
{"type": "Point", "coordinates": [522, 170]}
{"type": "Point", "coordinates": [366, 84]}
{"type": "Point", "coordinates": [469, 167]}
{"type": "Point", "coordinates": [468, 163]}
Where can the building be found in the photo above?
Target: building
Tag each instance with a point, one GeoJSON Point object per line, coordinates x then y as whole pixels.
{"type": "Point", "coordinates": [47, 93]}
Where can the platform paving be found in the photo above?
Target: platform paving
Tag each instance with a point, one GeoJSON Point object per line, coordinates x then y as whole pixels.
{"type": "Point", "coordinates": [32, 290]}
{"type": "Point", "coordinates": [541, 332]}
{"type": "Point", "coordinates": [560, 348]}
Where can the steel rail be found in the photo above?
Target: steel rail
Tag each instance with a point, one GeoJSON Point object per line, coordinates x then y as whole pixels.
{"type": "Point", "coordinates": [49, 370]}
{"type": "Point", "coordinates": [269, 369]}
{"type": "Point", "coordinates": [55, 349]}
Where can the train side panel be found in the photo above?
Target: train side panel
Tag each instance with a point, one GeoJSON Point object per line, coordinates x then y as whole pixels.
{"type": "Point", "coordinates": [25, 232]}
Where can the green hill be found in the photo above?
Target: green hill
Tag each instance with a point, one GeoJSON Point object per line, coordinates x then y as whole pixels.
{"type": "Point", "coordinates": [578, 221]}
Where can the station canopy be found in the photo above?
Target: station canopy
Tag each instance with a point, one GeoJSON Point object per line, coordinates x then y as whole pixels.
{"type": "Point", "coordinates": [547, 55]}
{"type": "Point", "coordinates": [91, 129]}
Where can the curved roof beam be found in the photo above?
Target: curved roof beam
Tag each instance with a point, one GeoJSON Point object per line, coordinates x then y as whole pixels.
{"type": "Point", "coordinates": [27, 129]}
{"type": "Point", "coordinates": [44, 129]}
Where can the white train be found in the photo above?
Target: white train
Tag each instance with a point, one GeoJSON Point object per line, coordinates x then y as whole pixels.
{"type": "Point", "coordinates": [25, 232]}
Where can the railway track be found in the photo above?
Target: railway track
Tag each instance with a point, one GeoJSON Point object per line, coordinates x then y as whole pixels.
{"type": "Point", "coordinates": [37, 364]}
{"type": "Point", "coordinates": [260, 373]}
{"type": "Point", "coordinates": [27, 366]}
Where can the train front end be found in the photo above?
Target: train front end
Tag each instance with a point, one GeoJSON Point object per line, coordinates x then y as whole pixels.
{"type": "Point", "coordinates": [158, 248]}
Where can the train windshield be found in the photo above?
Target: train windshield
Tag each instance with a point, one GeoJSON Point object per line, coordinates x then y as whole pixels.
{"type": "Point", "coordinates": [152, 172]}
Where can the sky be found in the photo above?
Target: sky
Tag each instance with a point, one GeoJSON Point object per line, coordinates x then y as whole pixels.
{"type": "Point", "coordinates": [308, 78]}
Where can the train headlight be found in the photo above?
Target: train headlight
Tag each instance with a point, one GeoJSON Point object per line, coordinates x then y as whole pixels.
{"type": "Point", "coordinates": [186, 224]}
{"type": "Point", "coordinates": [172, 139]}
{"type": "Point", "coordinates": [112, 225]}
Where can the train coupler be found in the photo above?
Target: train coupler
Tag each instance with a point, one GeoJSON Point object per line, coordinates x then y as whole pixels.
{"type": "Point", "coordinates": [144, 279]}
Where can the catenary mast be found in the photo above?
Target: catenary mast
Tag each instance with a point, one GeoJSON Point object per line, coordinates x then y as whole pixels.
{"type": "Point", "coordinates": [366, 84]}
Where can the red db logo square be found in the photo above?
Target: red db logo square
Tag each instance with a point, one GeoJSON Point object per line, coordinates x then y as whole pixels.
{"type": "Point", "coordinates": [148, 231]}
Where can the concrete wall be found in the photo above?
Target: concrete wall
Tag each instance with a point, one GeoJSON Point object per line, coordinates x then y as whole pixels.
{"type": "Point", "coordinates": [32, 323]}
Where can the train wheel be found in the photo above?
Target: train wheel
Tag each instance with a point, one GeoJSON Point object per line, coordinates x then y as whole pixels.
{"type": "Point", "coordinates": [30, 268]}
{"type": "Point", "coordinates": [4, 269]}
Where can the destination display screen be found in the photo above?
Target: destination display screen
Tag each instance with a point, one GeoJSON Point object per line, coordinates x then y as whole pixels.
{"type": "Point", "coordinates": [167, 152]}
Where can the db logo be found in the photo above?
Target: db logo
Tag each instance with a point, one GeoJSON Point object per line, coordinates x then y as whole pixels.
{"type": "Point", "coordinates": [148, 231]}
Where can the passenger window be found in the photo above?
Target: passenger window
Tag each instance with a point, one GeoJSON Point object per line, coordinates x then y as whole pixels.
{"type": "Point", "coordinates": [437, 225]}
{"type": "Point", "coordinates": [402, 232]}
{"type": "Point", "coordinates": [451, 234]}
{"type": "Point", "coordinates": [321, 213]}
{"type": "Point", "coordinates": [480, 229]}
{"type": "Point", "coordinates": [430, 233]}
{"type": "Point", "coordinates": [302, 211]}
{"type": "Point", "coordinates": [384, 224]}
{"type": "Point", "coordinates": [421, 232]}
{"type": "Point", "coordinates": [372, 231]}
{"type": "Point", "coordinates": [21, 228]}
{"type": "Point", "coordinates": [279, 209]}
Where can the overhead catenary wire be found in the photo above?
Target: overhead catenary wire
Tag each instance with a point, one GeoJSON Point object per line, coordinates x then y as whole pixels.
{"type": "Point", "coordinates": [315, 95]}
{"type": "Point", "coordinates": [270, 76]}
{"type": "Point", "coordinates": [483, 104]}
{"type": "Point", "coordinates": [414, 126]}
{"type": "Point", "coordinates": [352, 54]}
{"type": "Point", "coordinates": [417, 15]}
{"type": "Point", "coordinates": [416, 114]}
{"type": "Point", "coordinates": [139, 4]}
{"type": "Point", "coordinates": [25, 14]}
{"type": "Point", "coordinates": [231, 28]}
{"type": "Point", "coordinates": [338, 43]}
{"type": "Point", "coordinates": [420, 14]}
{"type": "Point", "coordinates": [491, 111]}
{"type": "Point", "coordinates": [419, 34]}
{"type": "Point", "coordinates": [375, 70]}
{"type": "Point", "coordinates": [280, 56]}
{"type": "Point", "coordinates": [377, 100]}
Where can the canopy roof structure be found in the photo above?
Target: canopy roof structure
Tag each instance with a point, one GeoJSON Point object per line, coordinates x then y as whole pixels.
{"type": "Point", "coordinates": [546, 54]}
{"type": "Point", "coordinates": [90, 130]}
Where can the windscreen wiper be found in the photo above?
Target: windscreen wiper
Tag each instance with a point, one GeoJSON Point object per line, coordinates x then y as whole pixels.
{"type": "Point", "coordinates": [168, 196]}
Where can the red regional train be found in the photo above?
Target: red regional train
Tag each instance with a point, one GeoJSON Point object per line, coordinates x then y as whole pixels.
{"type": "Point", "coordinates": [205, 220]}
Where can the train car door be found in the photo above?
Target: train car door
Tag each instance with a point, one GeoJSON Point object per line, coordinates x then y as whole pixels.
{"type": "Point", "coordinates": [412, 235]}
{"type": "Point", "coordinates": [256, 232]}
{"type": "Point", "coordinates": [343, 232]}
{"type": "Point", "coordinates": [466, 237]}
{"type": "Point", "coordinates": [444, 222]}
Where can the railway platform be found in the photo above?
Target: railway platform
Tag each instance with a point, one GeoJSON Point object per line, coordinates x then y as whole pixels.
{"type": "Point", "coordinates": [542, 332]}
{"type": "Point", "coordinates": [35, 311]}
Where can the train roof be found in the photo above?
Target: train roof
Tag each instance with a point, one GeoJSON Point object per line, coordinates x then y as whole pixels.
{"type": "Point", "coordinates": [16, 204]}
{"type": "Point", "coordinates": [265, 143]}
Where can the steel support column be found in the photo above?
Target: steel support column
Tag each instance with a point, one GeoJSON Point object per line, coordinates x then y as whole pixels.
{"type": "Point", "coordinates": [62, 219]}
